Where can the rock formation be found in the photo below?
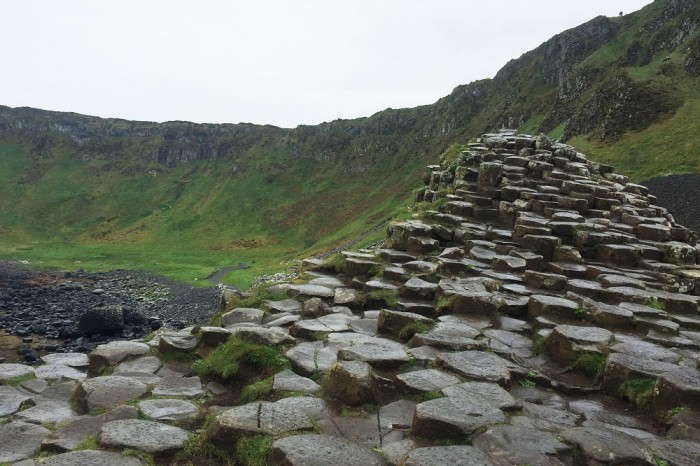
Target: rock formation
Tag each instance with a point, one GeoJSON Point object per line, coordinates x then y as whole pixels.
{"type": "Point", "coordinates": [538, 309]}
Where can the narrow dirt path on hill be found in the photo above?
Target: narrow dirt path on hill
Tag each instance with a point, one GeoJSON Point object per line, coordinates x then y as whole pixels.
{"type": "Point", "coordinates": [217, 277]}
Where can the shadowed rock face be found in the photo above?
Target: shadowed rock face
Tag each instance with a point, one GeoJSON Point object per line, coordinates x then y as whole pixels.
{"type": "Point", "coordinates": [583, 349]}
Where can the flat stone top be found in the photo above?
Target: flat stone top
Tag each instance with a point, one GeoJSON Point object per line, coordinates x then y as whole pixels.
{"type": "Point", "coordinates": [12, 371]}
{"type": "Point", "coordinates": [67, 359]}
{"type": "Point", "coordinates": [115, 351]}
{"type": "Point", "coordinates": [91, 457]}
{"type": "Point", "coordinates": [320, 450]}
{"type": "Point", "coordinates": [477, 365]}
{"type": "Point", "coordinates": [317, 291]}
{"type": "Point", "coordinates": [58, 372]}
{"type": "Point", "coordinates": [10, 400]}
{"type": "Point", "coordinates": [149, 436]}
{"type": "Point", "coordinates": [585, 335]}
{"type": "Point", "coordinates": [448, 455]}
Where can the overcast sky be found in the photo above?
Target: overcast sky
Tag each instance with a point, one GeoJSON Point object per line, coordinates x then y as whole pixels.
{"type": "Point", "coordinates": [281, 62]}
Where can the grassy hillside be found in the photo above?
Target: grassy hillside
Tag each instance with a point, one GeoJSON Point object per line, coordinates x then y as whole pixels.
{"type": "Point", "coordinates": [185, 221]}
{"type": "Point", "coordinates": [185, 200]}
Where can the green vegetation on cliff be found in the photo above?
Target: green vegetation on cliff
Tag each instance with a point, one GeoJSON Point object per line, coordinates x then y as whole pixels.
{"type": "Point", "coordinates": [186, 200]}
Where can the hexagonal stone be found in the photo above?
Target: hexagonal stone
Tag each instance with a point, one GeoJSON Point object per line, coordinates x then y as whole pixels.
{"type": "Point", "coordinates": [69, 436]}
{"type": "Point", "coordinates": [58, 372]}
{"type": "Point", "coordinates": [450, 335]}
{"type": "Point", "coordinates": [677, 387]}
{"type": "Point", "coordinates": [12, 371]}
{"type": "Point", "coordinates": [190, 387]}
{"type": "Point", "coordinates": [262, 335]}
{"type": "Point", "coordinates": [524, 445]}
{"type": "Point", "coordinates": [10, 400]}
{"type": "Point", "coordinates": [47, 411]}
{"type": "Point", "coordinates": [454, 417]}
{"type": "Point", "coordinates": [394, 322]}
{"type": "Point", "coordinates": [320, 450]}
{"type": "Point", "coordinates": [291, 306]}
{"type": "Point", "coordinates": [427, 380]}
{"type": "Point", "coordinates": [20, 440]}
{"type": "Point", "coordinates": [91, 457]}
{"type": "Point", "coordinates": [259, 417]}
{"type": "Point", "coordinates": [310, 291]}
{"type": "Point", "coordinates": [148, 436]}
{"type": "Point", "coordinates": [113, 352]}
{"type": "Point", "coordinates": [350, 382]}
{"type": "Point", "coordinates": [182, 340]}
{"type": "Point", "coordinates": [147, 364]}
{"type": "Point", "coordinates": [315, 408]}
{"type": "Point", "coordinates": [449, 455]}
{"type": "Point", "coordinates": [676, 452]}
{"type": "Point", "coordinates": [552, 306]}
{"type": "Point", "coordinates": [567, 342]}
{"type": "Point", "coordinates": [291, 382]}
{"type": "Point", "coordinates": [168, 410]}
{"type": "Point", "coordinates": [110, 391]}
{"type": "Point", "coordinates": [599, 444]}
{"type": "Point", "coordinates": [374, 350]}
{"type": "Point", "coordinates": [492, 393]}
{"type": "Point", "coordinates": [243, 315]}
{"type": "Point", "coordinates": [80, 360]}
{"type": "Point", "coordinates": [476, 365]}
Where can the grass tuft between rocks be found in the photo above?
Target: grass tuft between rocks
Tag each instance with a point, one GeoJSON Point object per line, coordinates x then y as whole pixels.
{"type": "Point", "coordinates": [225, 361]}
{"type": "Point", "coordinates": [639, 392]}
{"type": "Point", "coordinates": [252, 450]}
{"type": "Point", "coordinates": [592, 364]}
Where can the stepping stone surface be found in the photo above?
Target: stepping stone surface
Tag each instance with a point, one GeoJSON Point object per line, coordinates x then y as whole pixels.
{"type": "Point", "coordinates": [20, 440]}
{"type": "Point", "coordinates": [12, 371]}
{"type": "Point", "coordinates": [110, 391]}
{"type": "Point", "coordinates": [148, 436]}
{"type": "Point", "coordinates": [448, 456]}
{"type": "Point", "coordinates": [476, 365]}
{"type": "Point", "coordinates": [320, 450]}
{"type": "Point", "coordinates": [10, 400]}
{"type": "Point", "coordinates": [90, 458]}
{"type": "Point", "coordinates": [454, 417]}
{"type": "Point", "coordinates": [190, 387]}
{"type": "Point", "coordinates": [168, 410]}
